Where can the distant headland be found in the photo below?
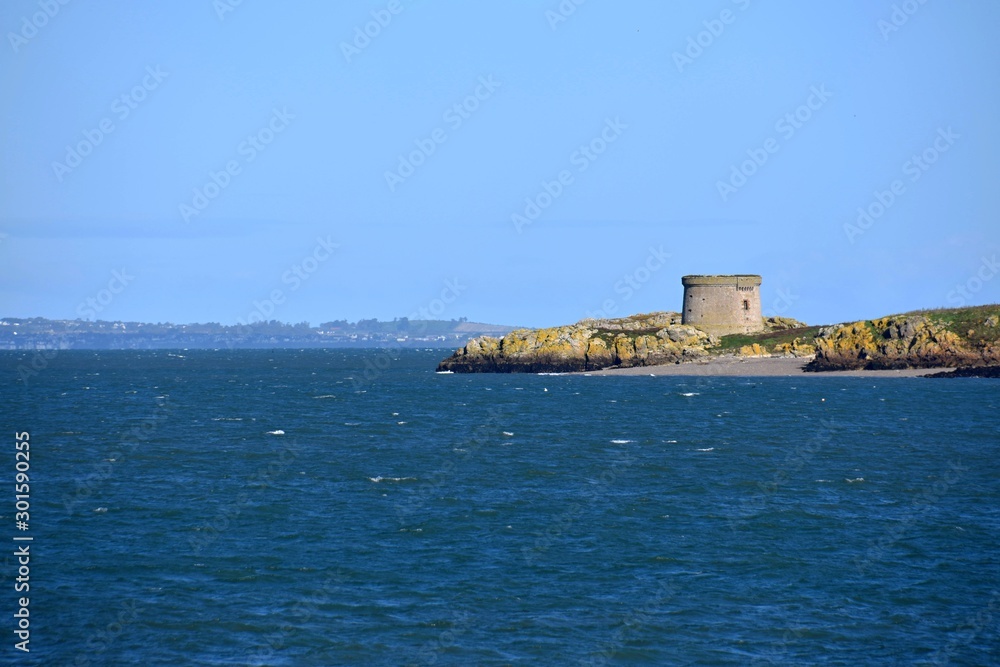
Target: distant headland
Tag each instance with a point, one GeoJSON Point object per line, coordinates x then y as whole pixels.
{"type": "Point", "coordinates": [721, 327]}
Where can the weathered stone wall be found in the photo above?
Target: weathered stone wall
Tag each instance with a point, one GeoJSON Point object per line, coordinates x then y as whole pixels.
{"type": "Point", "coordinates": [723, 305]}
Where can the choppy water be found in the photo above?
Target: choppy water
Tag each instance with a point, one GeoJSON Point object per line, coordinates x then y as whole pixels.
{"type": "Point", "coordinates": [406, 517]}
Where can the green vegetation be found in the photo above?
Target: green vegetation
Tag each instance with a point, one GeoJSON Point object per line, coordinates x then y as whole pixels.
{"type": "Point", "coordinates": [969, 323]}
{"type": "Point", "coordinates": [767, 339]}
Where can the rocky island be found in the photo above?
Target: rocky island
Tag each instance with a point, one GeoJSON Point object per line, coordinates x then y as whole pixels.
{"type": "Point", "coordinates": [962, 338]}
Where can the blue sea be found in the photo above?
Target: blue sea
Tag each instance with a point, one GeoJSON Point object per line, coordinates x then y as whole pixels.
{"type": "Point", "coordinates": [331, 507]}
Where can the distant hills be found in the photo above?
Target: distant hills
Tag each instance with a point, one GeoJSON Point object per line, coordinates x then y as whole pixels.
{"type": "Point", "coordinates": [41, 333]}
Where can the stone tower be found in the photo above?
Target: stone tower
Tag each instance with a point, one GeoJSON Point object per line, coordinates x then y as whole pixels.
{"type": "Point", "coordinates": [722, 305]}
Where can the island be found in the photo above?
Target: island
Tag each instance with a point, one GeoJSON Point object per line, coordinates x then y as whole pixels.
{"type": "Point", "coordinates": [722, 322]}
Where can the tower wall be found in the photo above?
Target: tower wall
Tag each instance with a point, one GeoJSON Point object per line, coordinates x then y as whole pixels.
{"type": "Point", "coordinates": [723, 305]}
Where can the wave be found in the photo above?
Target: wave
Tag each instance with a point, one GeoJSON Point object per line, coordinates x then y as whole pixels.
{"type": "Point", "coordinates": [380, 478]}
{"type": "Point", "coordinates": [277, 432]}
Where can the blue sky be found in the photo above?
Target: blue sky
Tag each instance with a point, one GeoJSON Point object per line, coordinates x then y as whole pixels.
{"type": "Point", "coordinates": [515, 163]}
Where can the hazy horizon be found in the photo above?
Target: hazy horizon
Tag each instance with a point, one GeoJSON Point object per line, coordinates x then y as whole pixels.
{"type": "Point", "coordinates": [317, 324]}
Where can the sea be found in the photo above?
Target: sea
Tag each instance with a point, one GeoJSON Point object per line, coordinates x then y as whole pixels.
{"type": "Point", "coordinates": [354, 507]}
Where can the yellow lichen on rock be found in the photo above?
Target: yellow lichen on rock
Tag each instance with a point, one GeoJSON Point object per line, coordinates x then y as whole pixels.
{"type": "Point", "coordinates": [652, 338]}
{"type": "Point", "coordinates": [754, 350]}
{"type": "Point", "coordinates": [796, 348]}
{"type": "Point", "coordinates": [849, 340]}
{"type": "Point", "coordinates": [913, 341]}
{"type": "Point", "coordinates": [624, 348]}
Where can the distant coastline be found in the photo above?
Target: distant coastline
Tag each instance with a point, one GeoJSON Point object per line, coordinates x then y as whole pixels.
{"type": "Point", "coordinates": [39, 333]}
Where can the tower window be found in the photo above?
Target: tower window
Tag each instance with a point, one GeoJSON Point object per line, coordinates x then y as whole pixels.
{"type": "Point", "coordinates": [746, 305]}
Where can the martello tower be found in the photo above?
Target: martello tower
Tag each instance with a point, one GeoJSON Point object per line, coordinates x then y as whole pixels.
{"type": "Point", "coordinates": [722, 305]}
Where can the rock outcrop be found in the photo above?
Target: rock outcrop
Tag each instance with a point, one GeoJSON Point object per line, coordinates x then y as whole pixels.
{"type": "Point", "coordinates": [915, 341]}
{"type": "Point", "coordinates": [796, 348]}
{"type": "Point", "coordinates": [971, 372]}
{"type": "Point", "coordinates": [782, 323]}
{"type": "Point", "coordinates": [640, 340]}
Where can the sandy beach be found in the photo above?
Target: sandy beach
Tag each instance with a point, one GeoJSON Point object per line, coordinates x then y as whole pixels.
{"type": "Point", "coordinates": [759, 367]}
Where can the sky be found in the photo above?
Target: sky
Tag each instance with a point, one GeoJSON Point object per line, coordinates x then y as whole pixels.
{"type": "Point", "coordinates": [528, 163]}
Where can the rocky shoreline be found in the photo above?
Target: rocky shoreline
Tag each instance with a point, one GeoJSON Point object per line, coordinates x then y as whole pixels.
{"type": "Point", "coordinates": [736, 366]}
{"type": "Point", "coordinates": [955, 338]}
{"type": "Point", "coordinates": [910, 341]}
{"type": "Point", "coordinates": [971, 372]}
